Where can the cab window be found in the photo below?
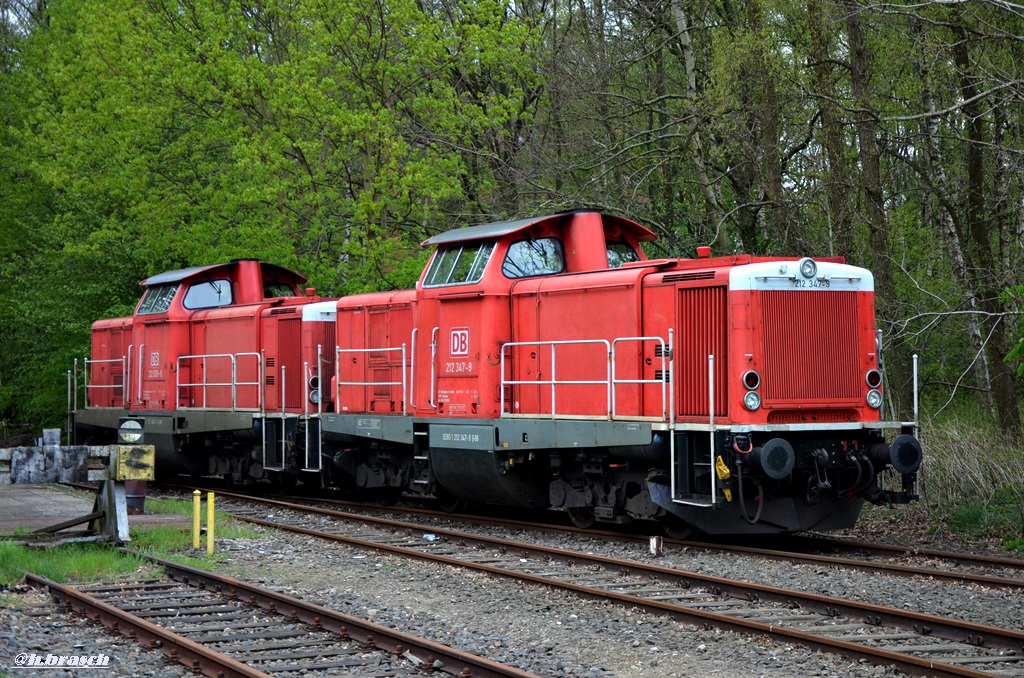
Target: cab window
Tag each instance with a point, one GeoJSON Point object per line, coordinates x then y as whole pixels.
{"type": "Point", "coordinates": [273, 289]}
{"type": "Point", "coordinates": [208, 294]}
{"type": "Point", "coordinates": [540, 256]}
{"type": "Point", "coordinates": [459, 264]}
{"type": "Point", "coordinates": [157, 299]}
{"type": "Point", "coordinates": [620, 253]}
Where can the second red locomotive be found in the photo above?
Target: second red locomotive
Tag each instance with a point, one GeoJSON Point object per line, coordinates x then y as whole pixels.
{"type": "Point", "coordinates": [543, 362]}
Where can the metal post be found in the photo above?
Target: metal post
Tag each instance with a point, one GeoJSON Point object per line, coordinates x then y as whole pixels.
{"type": "Point", "coordinates": [412, 367]}
{"type": "Point", "coordinates": [70, 441]}
{"type": "Point", "coordinates": [405, 384]}
{"type": "Point", "coordinates": [142, 349]}
{"type": "Point", "coordinates": [711, 414]}
{"type": "Point", "coordinates": [433, 364]}
{"type": "Point", "coordinates": [553, 405]}
{"type": "Point", "coordinates": [916, 392]}
{"type": "Point", "coordinates": [209, 523]}
{"type": "Point", "coordinates": [261, 389]}
{"type": "Point", "coordinates": [320, 379]}
{"type": "Point", "coordinates": [609, 404]}
{"type": "Point", "coordinates": [671, 381]}
{"type": "Point", "coordinates": [305, 405]}
{"type": "Point", "coordinates": [284, 416]}
{"type": "Point", "coordinates": [128, 378]}
{"type": "Point", "coordinates": [197, 502]}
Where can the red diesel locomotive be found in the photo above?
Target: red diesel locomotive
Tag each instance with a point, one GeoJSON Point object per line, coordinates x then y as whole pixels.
{"type": "Point", "coordinates": [543, 362]}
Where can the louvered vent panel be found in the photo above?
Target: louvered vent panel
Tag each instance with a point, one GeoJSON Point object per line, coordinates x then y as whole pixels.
{"type": "Point", "coordinates": [688, 277]}
{"type": "Point", "coordinates": [810, 346]}
{"type": "Point", "coordinates": [702, 332]}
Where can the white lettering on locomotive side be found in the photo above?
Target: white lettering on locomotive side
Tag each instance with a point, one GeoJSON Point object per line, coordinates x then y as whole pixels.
{"type": "Point", "coordinates": [460, 437]}
{"type": "Point", "coordinates": [154, 359]}
{"type": "Point", "coordinates": [459, 342]}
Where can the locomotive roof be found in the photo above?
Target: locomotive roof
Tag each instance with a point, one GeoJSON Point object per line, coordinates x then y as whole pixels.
{"type": "Point", "coordinates": [185, 273]}
{"type": "Point", "coordinates": [501, 228]}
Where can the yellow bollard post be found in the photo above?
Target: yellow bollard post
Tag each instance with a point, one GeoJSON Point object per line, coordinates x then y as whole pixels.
{"type": "Point", "coordinates": [197, 501]}
{"type": "Point", "coordinates": [209, 523]}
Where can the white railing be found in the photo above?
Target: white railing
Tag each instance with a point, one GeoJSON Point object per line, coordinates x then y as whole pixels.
{"type": "Point", "coordinates": [204, 386]}
{"type": "Point", "coordinates": [665, 382]}
{"type": "Point", "coordinates": [339, 383]}
{"type": "Point", "coordinates": [101, 387]}
{"type": "Point", "coordinates": [610, 383]}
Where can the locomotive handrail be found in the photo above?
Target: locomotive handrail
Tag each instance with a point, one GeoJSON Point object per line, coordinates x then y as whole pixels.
{"type": "Point", "coordinates": [100, 387]}
{"type": "Point", "coordinates": [233, 384]}
{"type": "Point", "coordinates": [403, 383]}
{"type": "Point", "coordinates": [553, 382]}
{"type": "Point", "coordinates": [667, 399]}
{"type": "Point", "coordinates": [138, 400]}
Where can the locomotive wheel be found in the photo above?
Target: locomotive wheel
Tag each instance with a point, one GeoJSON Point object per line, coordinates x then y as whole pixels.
{"type": "Point", "coordinates": [582, 517]}
{"type": "Point", "coordinates": [448, 502]}
{"type": "Point", "coordinates": [677, 528]}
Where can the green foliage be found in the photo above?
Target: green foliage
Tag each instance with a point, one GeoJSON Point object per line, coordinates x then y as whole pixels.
{"type": "Point", "coordinates": [138, 137]}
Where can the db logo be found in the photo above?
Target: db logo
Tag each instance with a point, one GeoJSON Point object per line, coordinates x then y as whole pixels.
{"type": "Point", "coordinates": [154, 359]}
{"type": "Point", "coordinates": [459, 341]}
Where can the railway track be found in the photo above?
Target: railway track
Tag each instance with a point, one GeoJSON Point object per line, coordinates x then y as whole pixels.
{"type": "Point", "coordinates": [897, 561]}
{"type": "Point", "coordinates": [917, 643]}
{"type": "Point", "coordinates": [223, 627]}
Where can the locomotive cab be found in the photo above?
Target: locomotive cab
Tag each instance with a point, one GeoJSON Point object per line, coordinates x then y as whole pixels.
{"type": "Point", "coordinates": [209, 342]}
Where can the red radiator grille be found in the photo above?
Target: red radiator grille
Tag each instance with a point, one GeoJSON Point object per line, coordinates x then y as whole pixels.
{"type": "Point", "coordinates": [810, 346]}
{"type": "Point", "coordinates": [702, 328]}
{"type": "Point", "coordinates": [327, 347]}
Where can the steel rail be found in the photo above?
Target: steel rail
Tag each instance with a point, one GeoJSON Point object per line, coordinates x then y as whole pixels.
{"type": "Point", "coordinates": [456, 662]}
{"type": "Point", "coordinates": [893, 569]}
{"type": "Point", "coordinates": [969, 632]}
{"type": "Point", "coordinates": [191, 654]}
{"type": "Point", "coordinates": [888, 549]}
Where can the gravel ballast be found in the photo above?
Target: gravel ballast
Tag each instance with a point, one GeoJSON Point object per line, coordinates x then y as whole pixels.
{"type": "Point", "coordinates": [544, 631]}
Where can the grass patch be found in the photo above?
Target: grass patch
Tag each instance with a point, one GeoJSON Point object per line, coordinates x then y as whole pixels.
{"type": "Point", "coordinates": [90, 561]}
{"type": "Point", "coordinates": [971, 479]}
{"type": "Point", "coordinates": [175, 543]}
{"type": "Point", "coordinates": [180, 507]}
{"type": "Point", "coordinates": [63, 563]}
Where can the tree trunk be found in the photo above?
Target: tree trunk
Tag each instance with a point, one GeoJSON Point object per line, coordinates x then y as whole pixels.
{"type": "Point", "coordinates": [1004, 382]}
{"type": "Point", "coordinates": [838, 185]}
{"type": "Point", "coordinates": [712, 201]}
{"type": "Point", "coordinates": [874, 205]}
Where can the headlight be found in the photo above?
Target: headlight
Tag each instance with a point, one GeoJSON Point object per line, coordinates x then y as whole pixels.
{"type": "Point", "coordinates": [314, 396]}
{"type": "Point", "coordinates": [751, 379]}
{"type": "Point", "coordinates": [808, 268]}
{"type": "Point", "coordinates": [874, 399]}
{"type": "Point", "coordinates": [752, 400]}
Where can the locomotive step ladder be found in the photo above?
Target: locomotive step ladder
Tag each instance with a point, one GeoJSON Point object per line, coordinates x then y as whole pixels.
{"type": "Point", "coordinates": [421, 454]}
